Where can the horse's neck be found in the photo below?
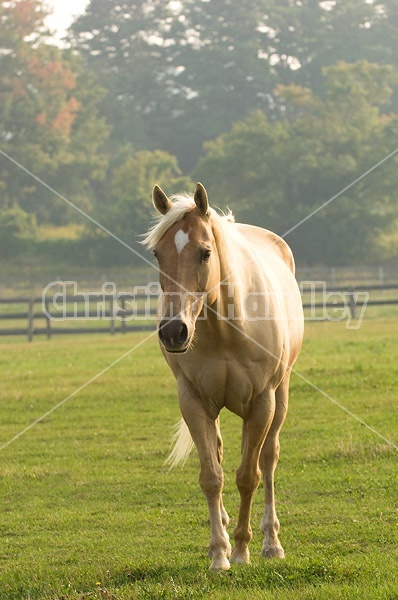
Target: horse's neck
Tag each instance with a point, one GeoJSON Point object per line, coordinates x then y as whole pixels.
{"type": "Point", "coordinates": [232, 288]}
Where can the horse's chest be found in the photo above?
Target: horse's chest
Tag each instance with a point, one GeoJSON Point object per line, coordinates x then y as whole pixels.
{"type": "Point", "coordinates": [227, 384]}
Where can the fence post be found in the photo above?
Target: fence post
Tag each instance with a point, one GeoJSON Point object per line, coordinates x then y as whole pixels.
{"type": "Point", "coordinates": [123, 316]}
{"type": "Point", "coordinates": [48, 321]}
{"type": "Point", "coordinates": [381, 275]}
{"type": "Point", "coordinates": [31, 309]}
{"type": "Point", "coordinates": [352, 303]}
{"type": "Point", "coordinates": [112, 308]}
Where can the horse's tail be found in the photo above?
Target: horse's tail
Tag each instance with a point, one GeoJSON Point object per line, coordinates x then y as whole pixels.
{"type": "Point", "coordinates": [182, 445]}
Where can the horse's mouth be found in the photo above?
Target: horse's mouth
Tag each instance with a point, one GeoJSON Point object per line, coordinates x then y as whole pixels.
{"type": "Point", "coordinates": [176, 349]}
{"type": "Point", "coordinates": [183, 351]}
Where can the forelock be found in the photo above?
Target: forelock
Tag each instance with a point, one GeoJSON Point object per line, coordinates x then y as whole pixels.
{"type": "Point", "coordinates": [182, 204]}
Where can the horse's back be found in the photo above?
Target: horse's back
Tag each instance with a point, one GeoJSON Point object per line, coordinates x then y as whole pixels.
{"type": "Point", "coordinates": [276, 263]}
{"type": "Point", "coordinates": [263, 240]}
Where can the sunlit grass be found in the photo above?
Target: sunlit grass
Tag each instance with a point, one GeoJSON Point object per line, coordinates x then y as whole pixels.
{"type": "Point", "coordinates": [73, 231]}
{"type": "Point", "coordinates": [89, 510]}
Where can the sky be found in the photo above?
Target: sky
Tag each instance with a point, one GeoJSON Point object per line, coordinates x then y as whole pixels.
{"type": "Point", "coordinates": [64, 12]}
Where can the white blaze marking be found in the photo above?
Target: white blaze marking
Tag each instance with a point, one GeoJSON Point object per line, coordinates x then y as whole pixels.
{"type": "Point", "coordinates": [181, 239]}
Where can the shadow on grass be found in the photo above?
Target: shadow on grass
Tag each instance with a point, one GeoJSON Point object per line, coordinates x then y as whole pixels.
{"type": "Point", "coordinates": [194, 581]}
{"type": "Point", "coordinates": [169, 581]}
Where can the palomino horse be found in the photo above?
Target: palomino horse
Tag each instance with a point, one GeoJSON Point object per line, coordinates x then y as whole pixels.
{"type": "Point", "coordinates": [230, 328]}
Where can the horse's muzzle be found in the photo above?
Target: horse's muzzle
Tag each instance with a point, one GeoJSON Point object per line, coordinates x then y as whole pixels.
{"type": "Point", "coordinates": [173, 333]}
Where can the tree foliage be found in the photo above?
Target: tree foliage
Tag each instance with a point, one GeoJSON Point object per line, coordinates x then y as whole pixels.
{"type": "Point", "coordinates": [275, 173]}
{"type": "Point", "coordinates": [14, 224]}
{"type": "Point", "coordinates": [180, 73]}
{"type": "Point", "coordinates": [129, 210]}
{"type": "Point", "coordinates": [48, 117]}
{"type": "Point", "coordinates": [275, 105]}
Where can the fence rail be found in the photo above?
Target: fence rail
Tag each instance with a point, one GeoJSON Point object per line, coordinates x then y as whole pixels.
{"type": "Point", "coordinates": [115, 316]}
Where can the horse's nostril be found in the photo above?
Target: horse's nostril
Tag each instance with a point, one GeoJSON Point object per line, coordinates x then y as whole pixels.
{"type": "Point", "coordinates": [182, 338]}
{"type": "Point", "coordinates": [173, 333]}
{"type": "Point", "coordinates": [161, 331]}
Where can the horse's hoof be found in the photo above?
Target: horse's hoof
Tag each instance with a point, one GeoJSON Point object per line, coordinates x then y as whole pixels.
{"type": "Point", "coordinates": [220, 565]}
{"type": "Point", "coordinates": [229, 551]}
{"type": "Point", "coordinates": [241, 558]}
{"type": "Point", "coordinates": [273, 552]}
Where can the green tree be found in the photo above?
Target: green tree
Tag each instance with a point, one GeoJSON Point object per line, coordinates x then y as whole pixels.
{"type": "Point", "coordinates": [311, 34]}
{"type": "Point", "coordinates": [14, 224]}
{"type": "Point", "coordinates": [180, 73]}
{"type": "Point", "coordinates": [129, 210]}
{"type": "Point", "coordinates": [176, 73]}
{"type": "Point", "coordinates": [48, 118]}
{"type": "Point", "coordinates": [275, 173]}
{"type": "Point", "coordinates": [122, 42]}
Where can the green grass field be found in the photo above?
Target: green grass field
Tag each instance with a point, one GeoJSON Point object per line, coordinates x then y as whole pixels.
{"type": "Point", "coordinates": [88, 510]}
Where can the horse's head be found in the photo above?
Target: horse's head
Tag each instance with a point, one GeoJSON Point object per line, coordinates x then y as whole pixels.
{"type": "Point", "coordinates": [189, 271]}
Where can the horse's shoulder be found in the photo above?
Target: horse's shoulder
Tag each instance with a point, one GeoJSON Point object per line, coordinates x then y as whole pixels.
{"type": "Point", "coordinates": [259, 237]}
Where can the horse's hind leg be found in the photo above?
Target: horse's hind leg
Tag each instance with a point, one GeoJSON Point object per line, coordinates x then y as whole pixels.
{"type": "Point", "coordinates": [268, 461]}
{"type": "Point", "coordinates": [224, 514]}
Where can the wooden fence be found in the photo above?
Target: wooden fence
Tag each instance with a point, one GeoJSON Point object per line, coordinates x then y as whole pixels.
{"type": "Point", "coordinates": [101, 313]}
{"type": "Point", "coordinates": [126, 312]}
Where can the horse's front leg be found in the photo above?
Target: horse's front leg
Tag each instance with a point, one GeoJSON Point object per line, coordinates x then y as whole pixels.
{"type": "Point", "coordinates": [205, 434]}
{"type": "Point", "coordinates": [254, 431]}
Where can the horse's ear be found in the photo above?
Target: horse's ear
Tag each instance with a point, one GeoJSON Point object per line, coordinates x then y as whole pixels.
{"type": "Point", "coordinates": [201, 199]}
{"type": "Point", "coordinates": [160, 201]}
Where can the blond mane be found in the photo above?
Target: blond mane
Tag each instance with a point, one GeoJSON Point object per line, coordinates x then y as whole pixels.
{"type": "Point", "coordinates": [181, 205]}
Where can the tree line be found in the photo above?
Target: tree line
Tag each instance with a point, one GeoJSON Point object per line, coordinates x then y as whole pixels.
{"type": "Point", "coordinates": [275, 106]}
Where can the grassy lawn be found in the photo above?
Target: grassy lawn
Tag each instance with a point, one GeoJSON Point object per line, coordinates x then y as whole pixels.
{"type": "Point", "coordinates": [88, 510]}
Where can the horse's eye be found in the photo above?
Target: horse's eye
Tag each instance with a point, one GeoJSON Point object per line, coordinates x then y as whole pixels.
{"type": "Point", "coordinates": [205, 255]}
{"type": "Point", "coordinates": [155, 253]}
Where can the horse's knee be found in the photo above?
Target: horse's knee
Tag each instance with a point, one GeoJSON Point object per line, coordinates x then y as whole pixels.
{"type": "Point", "coordinates": [211, 481]}
{"type": "Point", "coordinates": [247, 481]}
